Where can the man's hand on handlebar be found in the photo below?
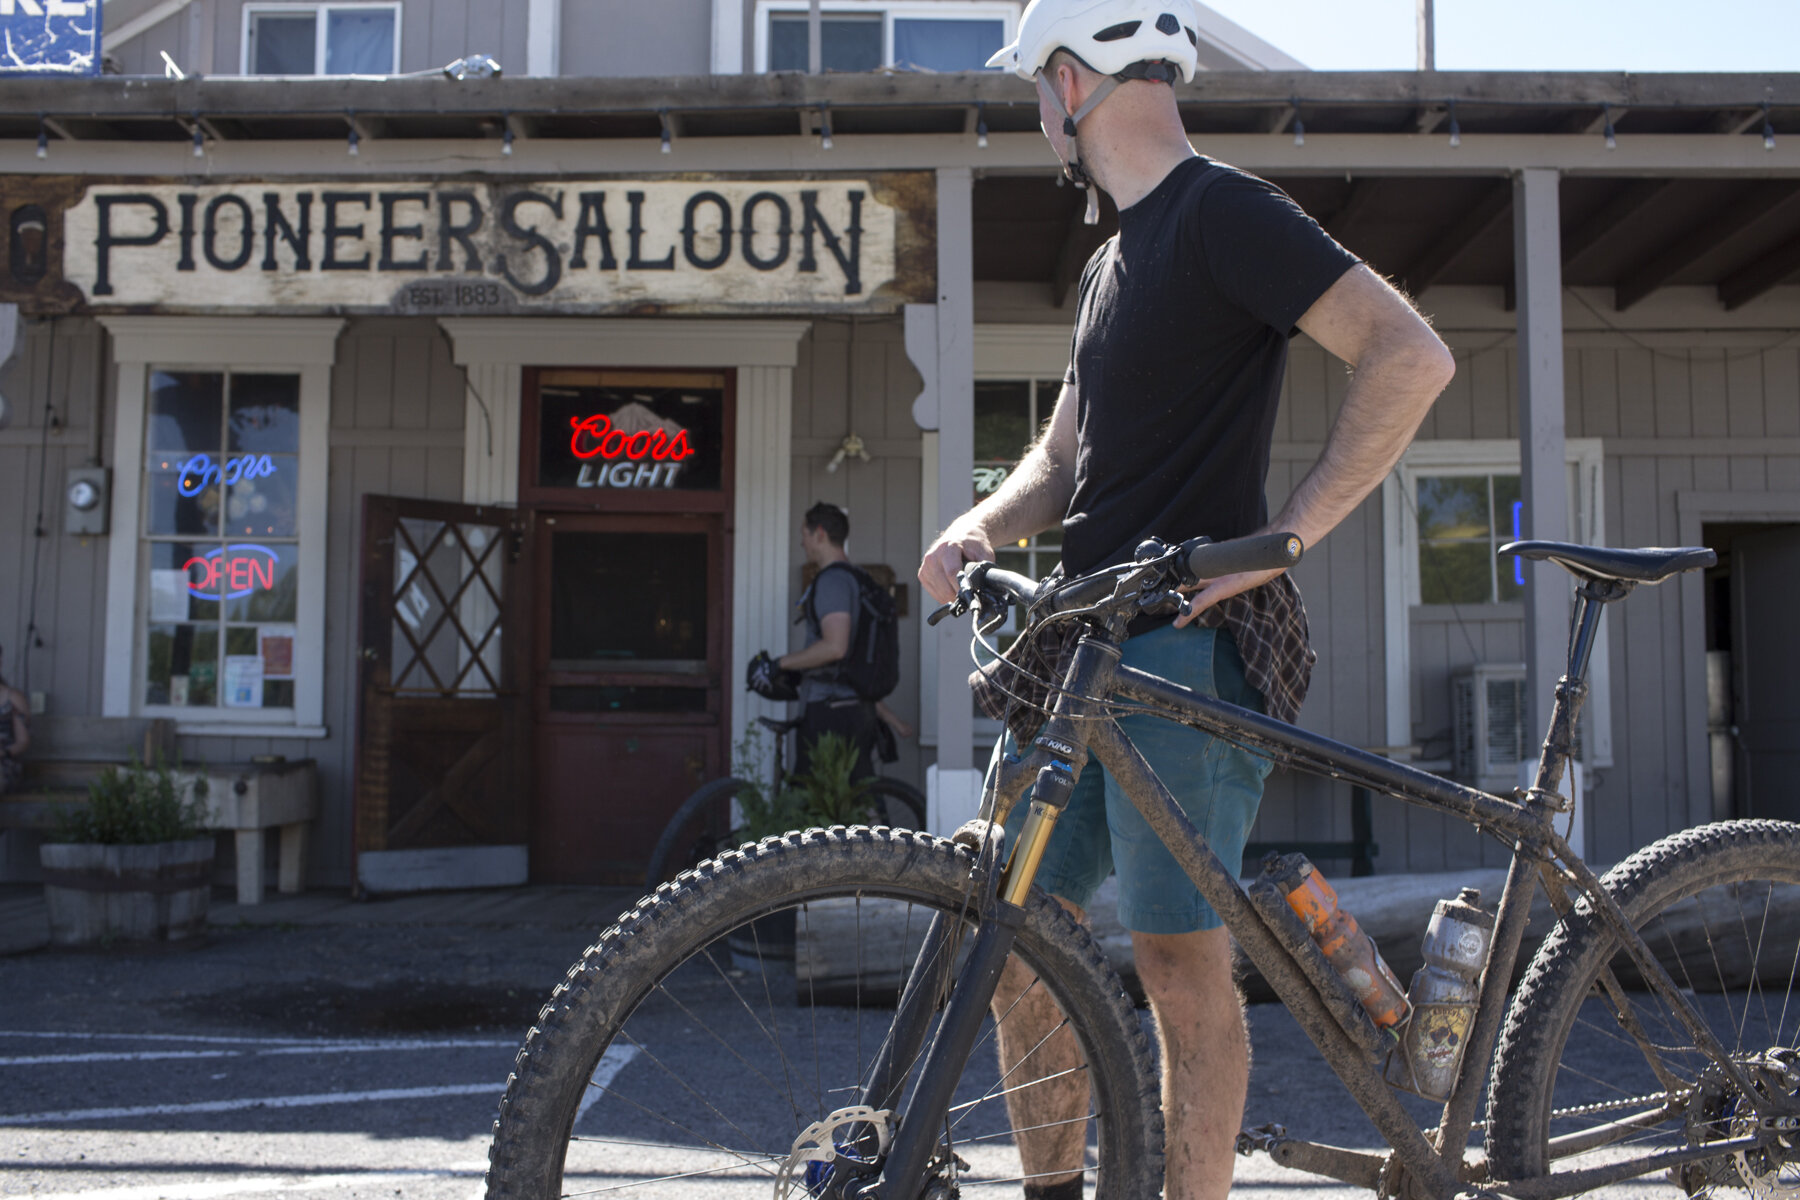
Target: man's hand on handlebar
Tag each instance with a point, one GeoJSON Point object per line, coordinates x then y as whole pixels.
{"type": "Point", "coordinates": [944, 560]}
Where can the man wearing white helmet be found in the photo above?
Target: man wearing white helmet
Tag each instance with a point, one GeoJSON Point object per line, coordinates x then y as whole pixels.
{"type": "Point", "coordinates": [1163, 429]}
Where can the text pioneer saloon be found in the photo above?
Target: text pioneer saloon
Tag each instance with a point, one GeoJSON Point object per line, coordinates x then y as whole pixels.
{"type": "Point", "coordinates": [462, 246]}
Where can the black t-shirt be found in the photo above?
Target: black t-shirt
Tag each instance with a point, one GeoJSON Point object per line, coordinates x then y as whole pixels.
{"type": "Point", "coordinates": [1180, 345]}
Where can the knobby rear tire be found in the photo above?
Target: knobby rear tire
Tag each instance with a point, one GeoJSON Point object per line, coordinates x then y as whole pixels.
{"type": "Point", "coordinates": [1748, 871]}
{"type": "Point", "coordinates": [674, 939]}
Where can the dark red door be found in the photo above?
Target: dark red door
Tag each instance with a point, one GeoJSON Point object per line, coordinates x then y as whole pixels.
{"type": "Point", "coordinates": [629, 710]}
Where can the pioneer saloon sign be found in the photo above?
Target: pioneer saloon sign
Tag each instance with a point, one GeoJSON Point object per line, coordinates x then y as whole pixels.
{"type": "Point", "coordinates": [472, 246]}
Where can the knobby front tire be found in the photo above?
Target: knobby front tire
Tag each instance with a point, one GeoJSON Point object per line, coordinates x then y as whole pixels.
{"type": "Point", "coordinates": [1719, 905]}
{"type": "Point", "coordinates": [683, 1052]}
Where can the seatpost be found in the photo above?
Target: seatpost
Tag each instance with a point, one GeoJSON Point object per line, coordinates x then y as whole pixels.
{"type": "Point", "coordinates": [1591, 598]}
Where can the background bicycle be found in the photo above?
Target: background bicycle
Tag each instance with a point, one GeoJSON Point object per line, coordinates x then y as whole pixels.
{"type": "Point", "coordinates": [707, 823]}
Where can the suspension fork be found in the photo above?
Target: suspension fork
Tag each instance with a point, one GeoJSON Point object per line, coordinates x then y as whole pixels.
{"type": "Point", "coordinates": [903, 1177]}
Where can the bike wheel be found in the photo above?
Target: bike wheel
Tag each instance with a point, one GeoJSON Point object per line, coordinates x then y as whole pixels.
{"type": "Point", "coordinates": [1574, 1087]}
{"type": "Point", "coordinates": [895, 803]}
{"type": "Point", "coordinates": [700, 828]}
{"type": "Point", "coordinates": [689, 1050]}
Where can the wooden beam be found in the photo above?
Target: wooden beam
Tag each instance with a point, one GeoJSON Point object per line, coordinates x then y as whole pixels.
{"type": "Point", "coordinates": [1475, 224]}
{"type": "Point", "coordinates": [1283, 117]}
{"type": "Point", "coordinates": [1080, 240]}
{"type": "Point", "coordinates": [1736, 121]}
{"type": "Point", "coordinates": [1755, 205]}
{"type": "Point", "coordinates": [1597, 123]}
{"type": "Point", "coordinates": [1766, 272]}
{"type": "Point", "coordinates": [1631, 200]}
{"type": "Point", "coordinates": [1428, 118]}
{"type": "Point", "coordinates": [1356, 202]}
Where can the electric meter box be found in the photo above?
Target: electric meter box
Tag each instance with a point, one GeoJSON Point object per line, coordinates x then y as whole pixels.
{"type": "Point", "coordinates": [87, 499]}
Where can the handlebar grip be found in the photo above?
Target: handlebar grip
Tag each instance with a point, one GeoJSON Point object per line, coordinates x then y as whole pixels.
{"type": "Point", "coordinates": [1020, 589]}
{"type": "Point", "coordinates": [1262, 552]}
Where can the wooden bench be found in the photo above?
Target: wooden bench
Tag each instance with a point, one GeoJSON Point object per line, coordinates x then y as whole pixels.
{"type": "Point", "coordinates": [69, 753]}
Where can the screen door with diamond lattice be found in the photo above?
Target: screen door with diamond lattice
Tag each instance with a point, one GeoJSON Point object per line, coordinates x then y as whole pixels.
{"type": "Point", "coordinates": [440, 798]}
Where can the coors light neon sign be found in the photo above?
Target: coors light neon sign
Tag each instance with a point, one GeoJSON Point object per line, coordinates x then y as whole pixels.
{"type": "Point", "coordinates": [629, 448]}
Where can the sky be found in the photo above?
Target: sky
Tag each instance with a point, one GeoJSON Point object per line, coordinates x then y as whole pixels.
{"type": "Point", "coordinates": [1526, 35]}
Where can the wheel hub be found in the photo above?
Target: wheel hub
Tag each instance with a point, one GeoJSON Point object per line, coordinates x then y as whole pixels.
{"type": "Point", "coordinates": [1719, 1111]}
{"type": "Point", "coordinates": [834, 1150]}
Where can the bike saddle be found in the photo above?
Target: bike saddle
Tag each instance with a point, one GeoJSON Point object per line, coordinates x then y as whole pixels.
{"type": "Point", "coordinates": [1653, 564]}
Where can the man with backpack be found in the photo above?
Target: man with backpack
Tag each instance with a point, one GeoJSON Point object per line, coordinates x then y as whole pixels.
{"type": "Point", "coordinates": [852, 655]}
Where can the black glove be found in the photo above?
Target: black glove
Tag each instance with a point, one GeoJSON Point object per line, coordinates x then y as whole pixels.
{"type": "Point", "coordinates": [770, 681]}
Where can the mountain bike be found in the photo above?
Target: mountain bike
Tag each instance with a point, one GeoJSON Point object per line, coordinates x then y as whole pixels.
{"type": "Point", "coordinates": [701, 826]}
{"type": "Point", "coordinates": [1653, 1031]}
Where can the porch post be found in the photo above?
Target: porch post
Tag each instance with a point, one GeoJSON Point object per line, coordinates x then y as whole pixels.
{"type": "Point", "coordinates": [941, 342]}
{"type": "Point", "coordinates": [1537, 257]}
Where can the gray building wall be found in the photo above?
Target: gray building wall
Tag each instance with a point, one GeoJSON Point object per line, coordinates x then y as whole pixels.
{"type": "Point", "coordinates": [208, 36]}
{"type": "Point", "coordinates": [630, 37]}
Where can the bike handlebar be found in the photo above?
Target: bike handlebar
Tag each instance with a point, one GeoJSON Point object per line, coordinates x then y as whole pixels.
{"type": "Point", "coordinates": [1187, 564]}
{"type": "Point", "coordinates": [1240, 556]}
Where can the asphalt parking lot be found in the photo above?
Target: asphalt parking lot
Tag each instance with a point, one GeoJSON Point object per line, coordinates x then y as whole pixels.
{"type": "Point", "coordinates": [363, 1057]}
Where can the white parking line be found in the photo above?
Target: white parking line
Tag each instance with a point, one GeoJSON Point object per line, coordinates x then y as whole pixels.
{"type": "Point", "coordinates": [219, 1106]}
{"type": "Point", "coordinates": [284, 1045]}
{"type": "Point", "coordinates": [251, 1184]}
{"type": "Point", "coordinates": [610, 1064]}
{"type": "Point", "coordinates": [310, 1047]}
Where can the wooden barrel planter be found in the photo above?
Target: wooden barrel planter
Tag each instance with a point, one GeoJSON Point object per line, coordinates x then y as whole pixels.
{"type": "Point", "coordinates": [154, 893]}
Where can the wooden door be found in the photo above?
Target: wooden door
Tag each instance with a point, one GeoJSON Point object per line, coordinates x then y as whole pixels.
{"type": "Point", "coordinates": [441, 785]}
{"type": "Point", "coordinates": [629, 707]}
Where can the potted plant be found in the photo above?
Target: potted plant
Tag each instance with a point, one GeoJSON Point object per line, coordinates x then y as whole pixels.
{"type": "Point", "coordinates": [825, 795]}
{"type": "Point", "coordinates": [132, 864]}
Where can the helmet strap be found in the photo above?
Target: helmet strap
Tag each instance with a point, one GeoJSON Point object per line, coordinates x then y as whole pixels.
{"type": "Point", "coordinates": [1072, 166]}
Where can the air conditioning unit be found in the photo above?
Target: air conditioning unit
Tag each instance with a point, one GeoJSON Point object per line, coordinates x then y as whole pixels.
{"type": "Point", "coordinates": [1488, 716]}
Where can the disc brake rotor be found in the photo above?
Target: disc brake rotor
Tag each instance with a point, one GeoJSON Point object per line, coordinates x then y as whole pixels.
{"type": "Point", "coordinates": [1767, 1172]}
{"type": "Point", "coordinates": [821, 1151]}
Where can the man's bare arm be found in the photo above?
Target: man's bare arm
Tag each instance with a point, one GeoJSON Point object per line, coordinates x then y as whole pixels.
{"type": "Point", "coordinates": [1033, 498]}
{"type": "Point", "coordinates": [1399, 367]}
{"type": "Point", "coordinates": [833, 644]}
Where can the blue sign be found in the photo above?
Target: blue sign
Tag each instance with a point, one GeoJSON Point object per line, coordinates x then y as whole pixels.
{"type": "Point", "coordinates": [57, 37]}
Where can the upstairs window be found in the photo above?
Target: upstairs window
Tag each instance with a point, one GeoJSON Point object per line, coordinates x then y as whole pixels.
{"type": "Point", "coordinates": [865, 35]}
{"type": "Point", "coordinates": [321, 39]}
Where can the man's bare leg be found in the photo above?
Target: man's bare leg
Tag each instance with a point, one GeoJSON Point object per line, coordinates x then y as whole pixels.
{"type": "Point", "coordinates": [1205, 1056]}
{"type": "Point", "coordinates": [1052, 1112]}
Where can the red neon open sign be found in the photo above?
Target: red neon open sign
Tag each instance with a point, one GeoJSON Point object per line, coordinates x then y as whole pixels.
{"type": "Point", "coordinates": [243, 568]}
{"type": "Point", "coordinates": [596, 437]}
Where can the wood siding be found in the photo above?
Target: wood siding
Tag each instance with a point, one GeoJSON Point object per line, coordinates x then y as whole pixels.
{"type": "Point", "coordinates": [1674, 415]}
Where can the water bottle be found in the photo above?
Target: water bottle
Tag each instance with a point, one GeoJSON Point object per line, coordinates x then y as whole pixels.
{"type": "Point", "coordinates": [1350, 951]}
{"type": "Point", "coordinates": [1444, 995]}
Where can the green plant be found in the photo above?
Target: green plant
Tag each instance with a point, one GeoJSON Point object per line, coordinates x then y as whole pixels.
{"type": "Point", "coordinates": [825, 795]}
{"type": "Point", "coordinates": [135, 805]}
{"type": "Point", "coordinates": [829, 795]}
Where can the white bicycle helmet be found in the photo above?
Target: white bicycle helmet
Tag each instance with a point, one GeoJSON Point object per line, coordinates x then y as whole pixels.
{"type": "Point", "coordinates": [1120, 39]}
{"type": "Point", "coordinates": [1108, 36]}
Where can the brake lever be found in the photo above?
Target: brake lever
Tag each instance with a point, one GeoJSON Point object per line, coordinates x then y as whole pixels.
{"type": "Point", "coordinates": [952, 609]}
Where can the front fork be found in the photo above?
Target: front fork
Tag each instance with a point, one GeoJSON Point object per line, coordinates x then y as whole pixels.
{"type": "Point", "coordinates": [926, 1120]}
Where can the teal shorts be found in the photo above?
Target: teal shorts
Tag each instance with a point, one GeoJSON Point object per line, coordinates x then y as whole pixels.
{"type": "Point", "coordinates": [1219, 786]}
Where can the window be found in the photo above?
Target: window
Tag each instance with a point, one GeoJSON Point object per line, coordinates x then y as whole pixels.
{"type": "Point", "coordinates": [1462, 521]}
{"type": "Point", "coordinates": [321, 39]}
{"type": "Point", "coordinates": [1447, 507]}
{"type": "Point", "coordinates": [866, 35]}
{"type": "Point", "coordinates": [221, 530]}
{"type": "Point", "coordinates": [215, 582]}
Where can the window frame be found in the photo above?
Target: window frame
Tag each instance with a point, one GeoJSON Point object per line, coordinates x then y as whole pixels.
{"type": "Point", "coordinates": [1005, 11]}
{"type": "Point", "coordinates": [319, 8]}
{"type": "Point", "coordinates": [304, 346]}
{"type": "Point", "coordinates": [1400, 552]}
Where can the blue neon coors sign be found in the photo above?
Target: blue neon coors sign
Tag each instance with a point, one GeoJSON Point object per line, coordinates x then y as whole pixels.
{"type": "Point", "coordinates": [54, 37]}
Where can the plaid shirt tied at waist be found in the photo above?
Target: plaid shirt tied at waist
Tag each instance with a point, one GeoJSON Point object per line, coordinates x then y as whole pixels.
{"type": "Point", "coordinates": [1267, 623]}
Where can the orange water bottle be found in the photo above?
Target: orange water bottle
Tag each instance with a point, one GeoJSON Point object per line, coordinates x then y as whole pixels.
{"type": "Point", "coordinates": [1350, 951]}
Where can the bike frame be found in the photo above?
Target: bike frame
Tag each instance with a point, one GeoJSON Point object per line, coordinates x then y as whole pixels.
{"type": "Point", "coordinates": [1080, 724]}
